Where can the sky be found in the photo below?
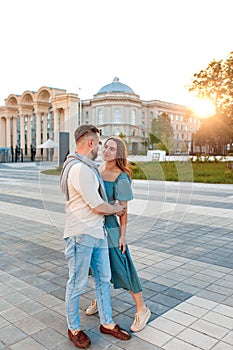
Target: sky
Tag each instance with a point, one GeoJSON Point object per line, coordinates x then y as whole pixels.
{"type": "Point", "coordinates": [153, 46]}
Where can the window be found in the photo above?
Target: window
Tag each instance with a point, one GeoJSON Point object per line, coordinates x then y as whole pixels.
{"type": "Point", "coordinates": [50, 123]}
{"type": "Point", "coordinates": [117, 131]}
{"type": "Point", "coordinates": [133, 117]}
{"type": "Point", "coordinates": [100, 116]}
{"type": "Point", "coordinates": [18, 130]}
{"type": "Point", "coordinates": [86, 114]}
{"type": "Point", "coordinates": [117, 115]}
{"type": "Point", "coordinates": [151, 115]}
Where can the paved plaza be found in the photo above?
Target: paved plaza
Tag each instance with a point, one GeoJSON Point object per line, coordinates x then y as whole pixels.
{"type": "Point", "coordinates": [181, 239]}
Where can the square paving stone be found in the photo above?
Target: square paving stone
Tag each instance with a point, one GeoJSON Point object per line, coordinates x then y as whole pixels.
{"type": "Point", "coordinates": [10, 335]}
{"type": "Point", "coordinates": [49, 338]}
{"type": "Point", "coordinates": [27, 344]}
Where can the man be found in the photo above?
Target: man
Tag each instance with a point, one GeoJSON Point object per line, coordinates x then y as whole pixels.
{"type": "Point", "coordinates": [86, 241]}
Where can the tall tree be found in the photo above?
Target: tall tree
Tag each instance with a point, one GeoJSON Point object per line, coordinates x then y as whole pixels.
{"type": "Point", "coordinates": [215, 133]}
{"type": "Point", "coordinates": [216, 83]}
{"type": "Point", "coordinates": [162, 132]}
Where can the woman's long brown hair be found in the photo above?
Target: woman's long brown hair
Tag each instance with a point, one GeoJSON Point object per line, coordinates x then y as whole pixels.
{"type": "Point", "coordinates": [121, 156]}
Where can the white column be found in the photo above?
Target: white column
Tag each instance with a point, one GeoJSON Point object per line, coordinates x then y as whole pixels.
{"type": "Point", "coordinates": [8, 132]}
{"type": "Point", "coordinates": [28, 134]}
{"type": "Point", "coordinates": [56, 132]}
{"type": "Point", "coordinates": [66, 121]}
{"type": "Point", "coordinates": [22, 138]}
{"type": "Point", "coordinates": [56, 124]}
{"type": "Point", "coordinates": [80, 112]}
{"type": "Point", "coordinates": [38, 137]}
{"type": "Point", "coordinates": [44, 126]}
{"type": "Point", "coordinates": [62, 120]}
{"type": "Point", "coordinates": [14, 131]}
{"type": "Point", "coordinates": [2, 132]}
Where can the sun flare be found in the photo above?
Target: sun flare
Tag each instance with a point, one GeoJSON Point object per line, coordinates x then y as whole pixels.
{"type": "Point", "coordinates": [204, 108]}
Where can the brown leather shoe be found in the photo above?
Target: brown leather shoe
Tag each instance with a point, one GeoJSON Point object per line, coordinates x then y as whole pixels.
{"type": "Point", "coordinates": [116, 332]}
{"type": "Point", "coordinates": [80, 339]}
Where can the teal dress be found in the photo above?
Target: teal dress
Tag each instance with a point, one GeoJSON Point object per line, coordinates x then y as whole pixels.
{"type": "Point", "coordinates": [124, 274]}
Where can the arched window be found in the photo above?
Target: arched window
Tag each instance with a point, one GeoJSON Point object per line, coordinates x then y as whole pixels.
{"type": "Point", "coordinates": [133, 117]}
{"type": "Point", "coordinates": [100, 116]}
{"type": "Point", "coordinates": [117, 115]}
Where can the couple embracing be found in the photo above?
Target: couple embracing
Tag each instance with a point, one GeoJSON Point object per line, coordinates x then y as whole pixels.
{"type": "Point", "coordinates": [95, 233]}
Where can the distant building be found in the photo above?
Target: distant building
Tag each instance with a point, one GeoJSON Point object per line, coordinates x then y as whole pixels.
{"type": "Point", "coordinates": [30, 119]}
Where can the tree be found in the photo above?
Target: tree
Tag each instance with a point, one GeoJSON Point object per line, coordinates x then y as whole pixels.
{"type": "Point", "coordinates": [122, 136]}
{"type": "Point", "coordinates": [215, 133]}
{"type": "Point", "coordinates": [162, 132]}
{"type": "Point", "coordinates": [216, 83]}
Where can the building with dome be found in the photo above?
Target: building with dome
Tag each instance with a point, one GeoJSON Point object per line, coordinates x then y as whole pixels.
{"type": "Point", "coordinates": [118, 110]}
{"type": "Point", "coordinates": [28, 120]}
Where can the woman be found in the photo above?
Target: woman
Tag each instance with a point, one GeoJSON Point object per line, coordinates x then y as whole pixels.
{"type": "Point", "coordinates": [117, 180]}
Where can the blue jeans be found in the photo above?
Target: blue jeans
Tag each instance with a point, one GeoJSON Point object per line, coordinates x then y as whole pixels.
{"type": "Point", "coordinates": [83, 251]}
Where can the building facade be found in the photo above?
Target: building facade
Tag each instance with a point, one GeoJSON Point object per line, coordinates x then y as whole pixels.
{"type": "Point", "coordinates": [28, 120]}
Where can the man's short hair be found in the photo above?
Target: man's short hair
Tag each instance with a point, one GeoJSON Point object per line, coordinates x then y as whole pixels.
{"type": "Point", "coordinates": [85, 129]}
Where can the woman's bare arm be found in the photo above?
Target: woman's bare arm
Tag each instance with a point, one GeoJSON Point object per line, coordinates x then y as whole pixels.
{"type": "Point", "coordinates": [123, 225]}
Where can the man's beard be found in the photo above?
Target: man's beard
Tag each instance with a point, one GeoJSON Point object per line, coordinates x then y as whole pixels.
{"type": "Point", "coordinates": [94, 154]}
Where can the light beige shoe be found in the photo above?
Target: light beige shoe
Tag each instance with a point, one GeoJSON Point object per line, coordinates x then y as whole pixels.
{"type": "Point", "coordinates": [140, 321]}
{"type": "Point", "coordinates": [92, 309]}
